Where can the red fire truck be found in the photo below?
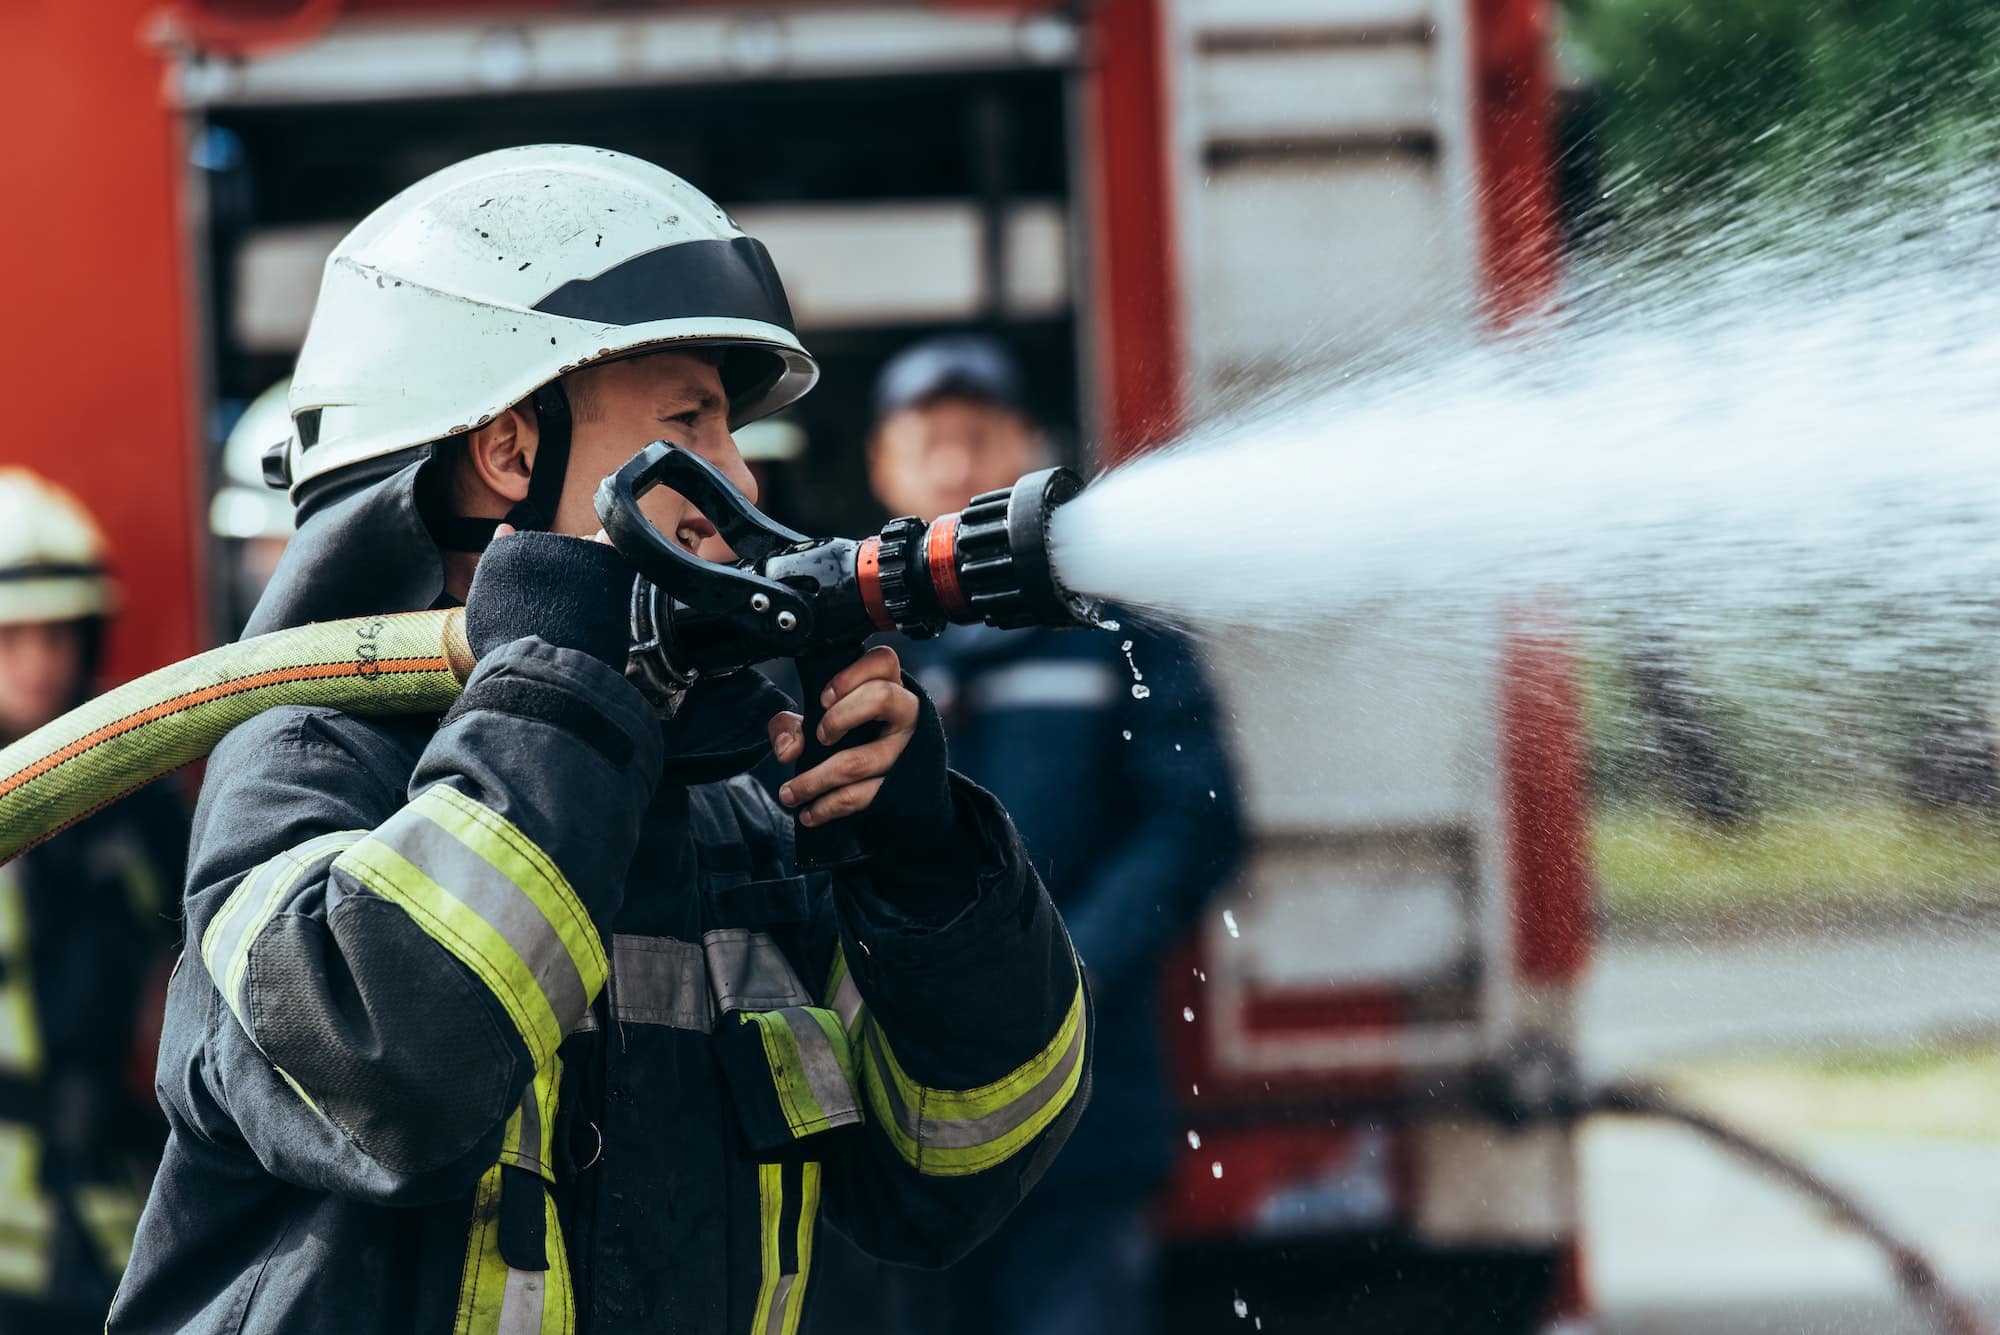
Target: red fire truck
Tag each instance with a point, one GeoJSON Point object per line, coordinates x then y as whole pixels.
{"type": "Point", "coordinates": [1165, 205]}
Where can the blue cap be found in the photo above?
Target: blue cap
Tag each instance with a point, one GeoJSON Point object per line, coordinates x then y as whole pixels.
{"type": "Point", "coordinates": [960, 364]}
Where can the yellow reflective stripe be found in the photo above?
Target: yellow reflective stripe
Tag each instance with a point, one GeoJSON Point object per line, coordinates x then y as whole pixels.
{"type": "Point", "coordinates": [522, 861]}
{"type": "Point", "coordinates": [110, 1214]}
{"type": "Point", "coordinates": [529, 1139]}
{"type": "Point", "coordinates": [20, 1020]}
{"type": "Point", "coordinates": [493, 1297]}
{"type": "Point", "coordinates": [770, 1210]}
{"type": "Point", "coordinates": [955, 1133]}
{"type": "Point", "coordinates": [482, 889]}
{"type": "Point", "coordinates": [781, 1293]}
{"type": "Point", "coordinates": [473, 940]}
{"type": "Point", "coordinates": [226, 943]}
{"type": "Point", "coordinates": [795, 1305]}
{"type": "Point", "coordinates": [811, 1069]}
{"type": "Point", "coordinates": [27, 1217]}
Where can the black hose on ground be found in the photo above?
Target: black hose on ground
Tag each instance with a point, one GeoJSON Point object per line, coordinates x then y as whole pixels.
{"type": "Point", "coordinates": [1952, 1312]}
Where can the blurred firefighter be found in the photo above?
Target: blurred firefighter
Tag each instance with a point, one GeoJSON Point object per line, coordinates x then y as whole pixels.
{"type": "Point", "coordinates": [1127, 810]}
{"type": "Point", "coordinates": [252, 521]}
{"type": "Point", "coordinates": [83, 933]}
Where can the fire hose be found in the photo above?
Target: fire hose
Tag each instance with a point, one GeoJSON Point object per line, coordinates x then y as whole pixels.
{"type": "Point", "coordinates": [1951, 1312]}
{"type": "Point", "coordinates": [786, 596]}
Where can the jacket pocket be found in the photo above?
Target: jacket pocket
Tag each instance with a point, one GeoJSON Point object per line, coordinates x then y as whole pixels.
{"type": "Point", "coordinates": [790, 1074]}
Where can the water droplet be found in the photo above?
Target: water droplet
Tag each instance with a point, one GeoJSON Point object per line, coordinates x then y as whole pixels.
{"type": "Point", "coordinates": [1211, 794]}
{"type": "Point", "coordinates": [1111, 626]}
{"type": "Point", "coordinates": [1196, 1089]}
{"type": "Point", "coordinates": [1141, 692]}
{"type": "Point", "coordinates": [1177, 746]}
{"type": "Point", "coordinates": [1194, 1140]}
{"type": "Point", "coordinates": [1216, 1168]}
{"type": "Point", "coordinates": [1242, 1308]}
{"type": "Point", "coordinates": [1127, 735]}
{"type": "Point", "coordinates": [1229, 921]}
{"type": "Point", "coordinates": [1187, 1013]}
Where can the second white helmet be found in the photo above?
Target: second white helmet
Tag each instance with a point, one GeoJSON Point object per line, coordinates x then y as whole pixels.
{"type": "Point", "coordinates": [483, 282]}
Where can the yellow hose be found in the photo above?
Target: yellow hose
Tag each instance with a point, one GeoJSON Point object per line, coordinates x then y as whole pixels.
{"type": "Point", "coordinates": [411, 663]}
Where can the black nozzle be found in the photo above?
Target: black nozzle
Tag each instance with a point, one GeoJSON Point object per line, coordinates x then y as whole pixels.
{"type": "Point", "coordinates": [1002, 556]}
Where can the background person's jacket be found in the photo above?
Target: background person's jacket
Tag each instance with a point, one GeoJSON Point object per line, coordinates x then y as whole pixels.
{"type": "Point", "coordinates": [1129, 812]}
{"type": "Point", "coordinates": [86, 932]}
{"type": "Point", "coordinates": [522, 1021]}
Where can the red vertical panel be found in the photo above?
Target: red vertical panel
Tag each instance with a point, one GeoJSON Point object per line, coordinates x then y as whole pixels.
{"type": "Point", "coordinates": [1545, 781]}
{"type": "Point", "coordinates": [95, 341]}
{"type": "Point", "coordinates": [1513, 125]}
{"type": "Point", "coordinates": [1135, 250]}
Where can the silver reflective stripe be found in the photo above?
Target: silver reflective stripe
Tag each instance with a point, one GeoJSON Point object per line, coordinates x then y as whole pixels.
{"type": "Point", "coordinates": [747, 972]}
{"type": "Point", "coordinates": [529, 1144]}
{"type": "Point", "coordinates": [503, 905]}
{"type": "Point", "coordinates": [781, 1299]}
{"type": "Point", "coordinates": [521, 1306]}
{"type": "Point", "coordinates": [1047, 685]}
{"type": "Point", "coordinates": [953, 1133]}
{"type": "Point", "coordinates": [832, 1088]}
{"type": "Point", "coordinates": [659, 980]}
{"type": "Point", "coordinates": [847, 1002]}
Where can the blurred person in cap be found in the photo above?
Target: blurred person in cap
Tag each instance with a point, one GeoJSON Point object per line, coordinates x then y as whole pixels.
{"type": "Point", "coordinates": [1128, 812]}
{"type": "Point", "coordinates": [523, 1020]}
{"type": "Point", "coordinates": [83, 932]}
{"type": "Point", "coordinates": [252, 520]}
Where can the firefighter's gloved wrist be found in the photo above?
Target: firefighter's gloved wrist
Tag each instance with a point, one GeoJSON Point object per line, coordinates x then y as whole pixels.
{"type": "Point", "coordinates": [571, 592]}
{"type": "Point", "coordinates": [913, 821]}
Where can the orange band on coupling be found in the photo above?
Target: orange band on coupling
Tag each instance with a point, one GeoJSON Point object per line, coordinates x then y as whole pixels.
{"type": "Point", "coordinates": [941, 555]}
{"type": "Point", "coordinates": [868, 574]}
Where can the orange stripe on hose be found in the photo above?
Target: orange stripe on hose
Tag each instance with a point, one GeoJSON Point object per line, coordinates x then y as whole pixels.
{"type": "Point", "coordinates": [208, 694]}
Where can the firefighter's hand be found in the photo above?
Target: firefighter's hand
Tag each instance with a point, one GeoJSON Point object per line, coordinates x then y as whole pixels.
{"type": "Point", "coordinates": [868, 690]}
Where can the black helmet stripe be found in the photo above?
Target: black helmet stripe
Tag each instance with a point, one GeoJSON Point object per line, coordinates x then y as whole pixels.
{"type": "Point", "coordinates": [731, 279]}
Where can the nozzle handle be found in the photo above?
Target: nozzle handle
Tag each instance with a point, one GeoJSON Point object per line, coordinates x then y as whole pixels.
{"type": "Point", "coordinates": [826, 847]}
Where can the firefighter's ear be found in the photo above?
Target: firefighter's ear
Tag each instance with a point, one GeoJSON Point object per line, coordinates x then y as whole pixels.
{"type": "Point", "coordinates": [500, 456]}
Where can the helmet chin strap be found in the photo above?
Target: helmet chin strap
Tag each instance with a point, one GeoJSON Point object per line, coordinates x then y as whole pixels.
{"type": "Point", "coordinates": [536, 511]}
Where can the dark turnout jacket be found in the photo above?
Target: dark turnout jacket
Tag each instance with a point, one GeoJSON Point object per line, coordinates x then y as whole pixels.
{"type": "Point", "coordinates": [523, 1021]}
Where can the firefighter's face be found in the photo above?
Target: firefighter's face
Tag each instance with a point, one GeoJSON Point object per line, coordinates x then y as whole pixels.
{"type": "Point", "coordinates": [932, 458]}
{"type": "Point", "coordinates": [620, 407]}
{"type": "Point", "coordinates": [41, 664]}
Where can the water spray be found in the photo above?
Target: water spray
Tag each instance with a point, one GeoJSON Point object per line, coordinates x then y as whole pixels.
{"type": "Point", "coordinates": [787, 596]}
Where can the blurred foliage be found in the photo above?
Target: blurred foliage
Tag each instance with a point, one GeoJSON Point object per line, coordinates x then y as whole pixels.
{"type": "Point", "coordinates": [1701, 97]}
{"type": "Point", "coordinates": [1922, 1091]}
{"type": "Point", "coordinates": [1654, 865]}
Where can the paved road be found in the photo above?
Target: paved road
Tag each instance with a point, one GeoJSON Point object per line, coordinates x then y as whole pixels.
{"type": "Point", "coordinates": [1655, 1001]}
{"type": "Point", "coordinates": [1683, 1242]}
{"type": "Point", "coordinates": [1686, 1242]}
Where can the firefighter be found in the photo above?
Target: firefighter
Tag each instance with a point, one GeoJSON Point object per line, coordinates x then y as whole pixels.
{"type": "Point", "coordinates": [250, 520]}
{"type": "Point", "coordinates": [82, 933]}
{"type": "Point", "coordinates": [1141, 832]}
{"type": "Point", "coordinates": [521, 1019]}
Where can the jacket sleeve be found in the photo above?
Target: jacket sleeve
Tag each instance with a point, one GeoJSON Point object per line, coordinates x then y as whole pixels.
{"type": "Point", "coordinates": [1184, 835]}
{"type": "Point", "coordinates": [970, 1044]}
{"type": "Point", "coordinates": [390, 965]}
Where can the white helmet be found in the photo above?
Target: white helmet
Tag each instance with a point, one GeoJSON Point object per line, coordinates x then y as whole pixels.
{"type": "Point", "coordinates": [485, 282]}
{"type": "Point", "coordinates": [52, 556]}
{"type": "Point", "coordinates": [245, 506]}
